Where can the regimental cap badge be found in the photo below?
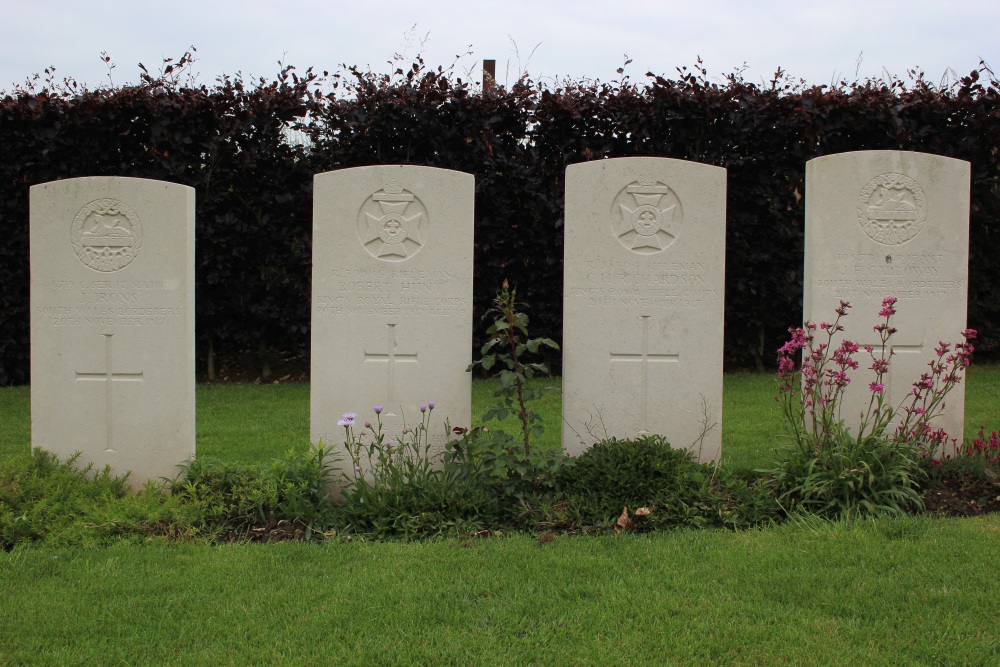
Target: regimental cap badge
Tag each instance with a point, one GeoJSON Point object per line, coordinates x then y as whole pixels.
{"type": "Point", "coordinates": [892, 209]}
{"type": "Point", "coordinates": [106, 235]}
{"type": "Point", "coordinates": [646, 215]}
{"type": "Point", "coordinates": [392, 223]}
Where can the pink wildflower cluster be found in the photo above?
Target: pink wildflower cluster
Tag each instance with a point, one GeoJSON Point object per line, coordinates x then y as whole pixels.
{"type": "Point", "coordinates": [926, 398]}
{"type": "Point", "coordinates": [788, 365]}
{"type": "Point", "coordinates": [987, 447]}
{"type": "Point", "coordinates": [822, 371]}
{"type": "Point", "coordinates": [822, 381]}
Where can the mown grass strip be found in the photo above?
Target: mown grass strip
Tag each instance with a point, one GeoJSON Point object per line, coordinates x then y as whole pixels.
{"type": "Point", "coordinates": [904, 591]}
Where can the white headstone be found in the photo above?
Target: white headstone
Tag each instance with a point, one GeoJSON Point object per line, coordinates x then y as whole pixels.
{"type": "Point", "coordinates": [890, 224]}
{"type": "Point", "coordinates": [643, 317]}
{"type": "Point", "coordinates": [112, 323]}
{"type": "Point", "coordinates": [391, 298]}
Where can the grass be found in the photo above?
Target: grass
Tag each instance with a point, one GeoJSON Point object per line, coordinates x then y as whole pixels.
{"type": "Point", "coordinates": [903, 591]}
{"type": "Point", "coordinates": [908, 591]}
{"type": "Point", "coordinates": [248, 423]}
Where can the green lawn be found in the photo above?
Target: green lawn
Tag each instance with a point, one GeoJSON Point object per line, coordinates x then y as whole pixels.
{"type": "Point", "coordinates": [893, 591]}
{"type": "Point", "coordinates": [258, 422]}
{"type": "Point", "coordinates": [905, 591]}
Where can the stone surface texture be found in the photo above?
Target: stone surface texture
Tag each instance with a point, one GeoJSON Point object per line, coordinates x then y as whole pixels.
{"type": "Point", "coordinates": [391, 299]}
{"type": "Point", "coordinates": [890, 224]}
{"type": "Point", "coordinates": [112, 323]}
{"type": "Point", "coordinates": [644, 293]}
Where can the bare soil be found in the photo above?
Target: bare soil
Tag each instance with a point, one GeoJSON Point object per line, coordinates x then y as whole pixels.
{"type": "Point", "coordinates": [957, 497]}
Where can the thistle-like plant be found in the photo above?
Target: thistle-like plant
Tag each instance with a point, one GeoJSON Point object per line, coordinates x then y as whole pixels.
{"type": "Point", "coordinates": [503, 355]}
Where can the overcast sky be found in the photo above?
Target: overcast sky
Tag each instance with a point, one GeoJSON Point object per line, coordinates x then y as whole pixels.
{"type": "Point", "coordinates": [818, 41]}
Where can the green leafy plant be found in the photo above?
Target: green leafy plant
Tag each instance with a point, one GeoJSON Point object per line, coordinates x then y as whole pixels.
{"type": "Point", "coordinates": [503, 355]}
{"type": "Point", "coordinates": [849, 477]}
{"type": "Point", "coordinates": [60, 504]}
{"type": "Point", "coordinates": [394, 486]}
{"type": "Point", "coordinates": [491, 465]}
{"type": "Point", "coordinates": [235, 499]}
{"type": "Point", "coordinates": [301, 480]}
{"type": "Point", "coordinates": [977, 461]}
{"type": "Point", "coordinates": [231, 497]}
{"type": "Point", "coordinates": [647, 474]}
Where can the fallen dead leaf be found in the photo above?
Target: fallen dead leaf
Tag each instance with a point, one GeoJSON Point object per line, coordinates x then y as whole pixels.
{"type": "Point", "coordinates": [623, 521]}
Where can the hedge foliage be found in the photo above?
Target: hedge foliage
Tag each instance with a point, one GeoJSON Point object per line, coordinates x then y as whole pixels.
{"type": "Point", "coordinates": [230, 141]}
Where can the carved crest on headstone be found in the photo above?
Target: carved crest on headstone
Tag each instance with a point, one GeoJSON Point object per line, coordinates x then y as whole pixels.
{"type": "Point", "coordinates": [392, 223]}
{"type": "Point", "coordinates": [646, 216]}
{"type": "Point", "coordinates": [892, 209]}
{"type": "Point", "coordinates": [106, 235]}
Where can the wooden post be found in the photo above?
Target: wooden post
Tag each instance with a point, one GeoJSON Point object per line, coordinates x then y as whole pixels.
{"type": "Point", "coordinates": [489, 73]}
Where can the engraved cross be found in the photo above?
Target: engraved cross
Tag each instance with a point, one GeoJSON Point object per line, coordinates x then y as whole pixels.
{"type": "Point", "coordinates": [913, 347]}
{"type": "Point", "coordinates": [391, 357]}
{"type": "Point", "coordinates": [108, 377]}
{"type": "Point", "coordinates": [645, 357]}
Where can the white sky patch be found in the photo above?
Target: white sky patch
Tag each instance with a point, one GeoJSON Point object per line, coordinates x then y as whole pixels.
{"type": "Point", "coordinates": [819, 41]}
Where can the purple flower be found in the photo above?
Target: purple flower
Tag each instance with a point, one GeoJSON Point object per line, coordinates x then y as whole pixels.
{"type": "Point", "coordinates": [876, 388]}
{"type": "Point", "coordinates": [431, 404]}
{"type": "Point", "coordinates": [423, 408]}
{"type": "Point", "coordinates": [378, 409]}
{"type": "Point", "coordinates": [351, 415]}
{"type": "Point", "coordinates": [345, 422]}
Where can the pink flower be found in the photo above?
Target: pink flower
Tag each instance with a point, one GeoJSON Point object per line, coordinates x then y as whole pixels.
{"type": "Point", "coordinates": [880, 366]}
{"type": "Point", "coordinates": [876, 388]}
